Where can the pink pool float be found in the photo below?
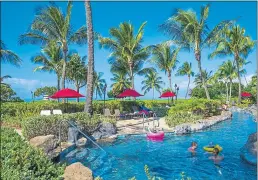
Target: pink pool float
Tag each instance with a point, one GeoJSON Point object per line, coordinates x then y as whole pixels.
{"type": "Point", "coordinates": [158, 136]}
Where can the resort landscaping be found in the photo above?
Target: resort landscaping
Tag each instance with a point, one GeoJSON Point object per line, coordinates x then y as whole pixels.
{"type": "Point", "coordinates": [202, 126]}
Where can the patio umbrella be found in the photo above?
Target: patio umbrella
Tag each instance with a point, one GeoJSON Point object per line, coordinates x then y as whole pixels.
{"type": "Point", "coordinates": [246, 94]}
{"type": "Point", "coordinates": [129, 93]}
{"type": "Point", "coordinates": [167, 94]}
{"type": "Point", "coordinates": [66, 93]}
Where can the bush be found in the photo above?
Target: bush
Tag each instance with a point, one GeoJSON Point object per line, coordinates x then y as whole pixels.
{"type": "Point", "coordinates": [12, 114]}
{"type": "Point", "coordinates": [182, 117]}
{"type": "Point", "coordinates": [160, 111]}
{"type": "Point", "coordinates": [44, 125]}
{"type": "Point", "coordinates": [21, 161]}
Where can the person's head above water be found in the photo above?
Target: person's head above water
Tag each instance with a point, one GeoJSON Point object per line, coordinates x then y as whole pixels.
{"type": "Point", "coordinates": [194, 144]}
{"type": "Point", "coordinates": [216, 151]}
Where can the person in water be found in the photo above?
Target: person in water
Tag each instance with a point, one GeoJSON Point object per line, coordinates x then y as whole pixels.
{"type": "Point", "coordinates": [193, 147]}
{"type": "Point", "coordinates": [216, 157]}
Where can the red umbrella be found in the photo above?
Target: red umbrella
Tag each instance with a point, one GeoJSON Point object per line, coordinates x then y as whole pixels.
{"type": "Point", "coordinates": [66, 93]}
{"type": "Point", "coordinates": [246, 94]}
{"type": "Point", "coordinates": [167, 94]}
{"type": "Point", "coordinates": [129, 93]}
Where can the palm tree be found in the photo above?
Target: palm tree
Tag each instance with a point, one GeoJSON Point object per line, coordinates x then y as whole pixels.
{"type": "Point", "coordinates": [126, 48]}
{"type": "Point", "coordinates": [3, 78]}
{"type": "Point", "coordinates": [77, 71]}
{"type": "Point", "coordinates": [236, 43]}
{"type": "Point", "coordinates": [50, 24]}
{"type": "Point", "coordinates": [90, 74]}
{"type": "Point", "coordinates": [228, 71]}
{"type": "Point", "coordinates": [50, 60]}
{"type": "Point", "coordinates": [165, 58]}
{"type": "Point", "coordinates": [152, 81]}
{"type": "Point", "coordinates": [206, 77]}
{"type": "Point", "coordinates": [121, 82]}
{"type": "Point", "coordinates": [8, 55]}
{"type": "Point", "coordinates": [190, 32]}
{"type": "Point", "coordinates": [99, 84]}
{"type": "Point", "coordinates": [186, 69]}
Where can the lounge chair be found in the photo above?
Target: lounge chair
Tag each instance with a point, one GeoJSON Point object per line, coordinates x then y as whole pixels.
{"type": "Point", "coordinates": [118, 115]}
{"type": "Point", "coordinates": [57, 111]}
{"type": "Point", "coordinates": [107, 113]}
{"type": "Point", "coordinates": [45, 112]}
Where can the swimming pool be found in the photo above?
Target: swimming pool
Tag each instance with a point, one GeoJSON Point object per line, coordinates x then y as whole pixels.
{"type": "Point", "coordinates": [127, 156]}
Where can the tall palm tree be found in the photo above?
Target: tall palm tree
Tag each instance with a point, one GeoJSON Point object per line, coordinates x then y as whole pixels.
{"type": "Point", "coordinates": [190, 32]}
{"type": "Point", "coordinates": [206, 77]}
{"type": "Point", "coordinates": [77, 71]}
{"type": "Point", "coordinates": [165, 58]}
{"type": "Point", "coordinates": [9, 56]}
{"type": "Point", "coordinates": [99, 84]}
{"type": "Point", "coordinates": [50, 60]}
{"type": "Point", "coordinates": [50, 24]}
{"type": "Point", "coordinates": [228, 71]}
{"type": "Point", "coordinates": [90, 74]}
{"type": "Point", "coordinates": [186, 70]}
{"type": "Point", "coordinates": [126, 47]}
{"type": "Point", "coordinates": [152, 81]}
{"type": "Point", "coordinates": [236, 43]}
{"type": "Point", "coordinates": [120, 82]}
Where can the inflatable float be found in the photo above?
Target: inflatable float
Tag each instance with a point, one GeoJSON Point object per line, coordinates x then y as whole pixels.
{"type": "Point", "coordinates": [211, 148]}
{"type": "Point", "coordinates": [158, 136]}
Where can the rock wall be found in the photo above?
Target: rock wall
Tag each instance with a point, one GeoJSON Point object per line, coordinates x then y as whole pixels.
{"type": "Point", "coordinates": [201, 124]}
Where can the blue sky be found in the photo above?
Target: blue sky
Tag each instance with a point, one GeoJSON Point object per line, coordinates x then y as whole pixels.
{"type": "Point", "coordinates": [17, 16]}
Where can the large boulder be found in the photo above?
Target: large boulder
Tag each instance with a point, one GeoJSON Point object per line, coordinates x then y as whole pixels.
{"type": "Point", "coordinates": [105, 130]}
{"type": "Point", "coordinates": [77, 171]}
{"type": "Point", "coordinates": [47, 143]}
{"type": "Point", "coordinates": [249, 150]}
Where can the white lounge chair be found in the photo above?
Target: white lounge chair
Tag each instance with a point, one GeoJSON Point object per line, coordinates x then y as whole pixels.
{"type": "Point", "coordinates": [45, 112]}
{"type": "Point", "coordinates": [57, 111]}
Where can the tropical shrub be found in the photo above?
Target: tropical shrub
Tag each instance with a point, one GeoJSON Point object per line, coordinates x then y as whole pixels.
{"type": "Point", "coordinates": [44, 125]}
{"type": "Point", "coordinates": [21, 161]}
{"type": "Point", "coordinates": [175, 119]}
{"type": "Point", "coordinates": [160, 111]}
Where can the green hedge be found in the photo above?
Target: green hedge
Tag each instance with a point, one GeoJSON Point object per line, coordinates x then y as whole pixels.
{"type": "Point", "coordinates": [12, 114]}
{"type": "Point", "coordinates": [192, 110]}
{"type": "Point", "coordinates": [21, 161]}
{"type": "Point", "coordinates": [44, 125]}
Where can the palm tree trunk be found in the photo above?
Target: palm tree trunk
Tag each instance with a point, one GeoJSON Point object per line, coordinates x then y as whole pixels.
{"type": "Point", "coordinates": [226, 91]}
{"type": "Point", "coordinates": [131, 74]}
{"type": "Point", "coordinates": [239, 80]}
{"type": "Point", "coordinates": [198, 58]}
{"type": "Point", "coordinates": [88, 105]}
{"type": "Point", "coordinates": [187, 87]}
{"type": "Point", "coordinates": [58, 86]}
{"type": "Point", "coordinates": [64, 67]}
{"type": "Point", "coordinates": [230, 89]}
{"type": "Point", "coordinates": [245, 80]}
{"type": "Point", "coordinates": [170, 83]}
{"type": "Point", "coordinates": [77, 89]}
{"type": "Point", "coordinates": [152, 93]}
{"type": "Point", "coordinates": [96, 94]}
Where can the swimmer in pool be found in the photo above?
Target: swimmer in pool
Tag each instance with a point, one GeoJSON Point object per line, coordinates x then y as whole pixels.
{"type": "Point", "coordinates": [216, 157]}
{"type": "Point", "coordinates": [193, 147]}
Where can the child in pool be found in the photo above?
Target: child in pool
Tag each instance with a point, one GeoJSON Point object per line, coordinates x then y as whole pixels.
{"type": "Point", "coordinates": [216, 157]}
{"type": "Point", "coordinates": [193, 147]}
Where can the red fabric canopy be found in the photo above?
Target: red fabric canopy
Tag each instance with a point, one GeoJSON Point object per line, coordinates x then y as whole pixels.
{"type": "Point", "coordinates": [66, 93]}
{"type": "Point", "coordinates": [129, 93]}
{"type": "Point", "coordinates": [246, 94]}
{"type": "Point", "coordinates": [167, 94]}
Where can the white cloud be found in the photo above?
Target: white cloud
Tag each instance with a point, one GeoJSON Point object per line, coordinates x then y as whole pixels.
{"type": "Point", "coordinates": [23, 83]}
{"type": "Point", "coordinates": [245, 79]}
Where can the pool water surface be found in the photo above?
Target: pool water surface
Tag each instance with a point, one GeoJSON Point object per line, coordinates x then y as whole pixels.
{"type": "Point", "coordinates": [127, 156]}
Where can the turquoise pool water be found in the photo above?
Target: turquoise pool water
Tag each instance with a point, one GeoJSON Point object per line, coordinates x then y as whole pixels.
{"type": "Point", "coordinates": [127, 156]}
